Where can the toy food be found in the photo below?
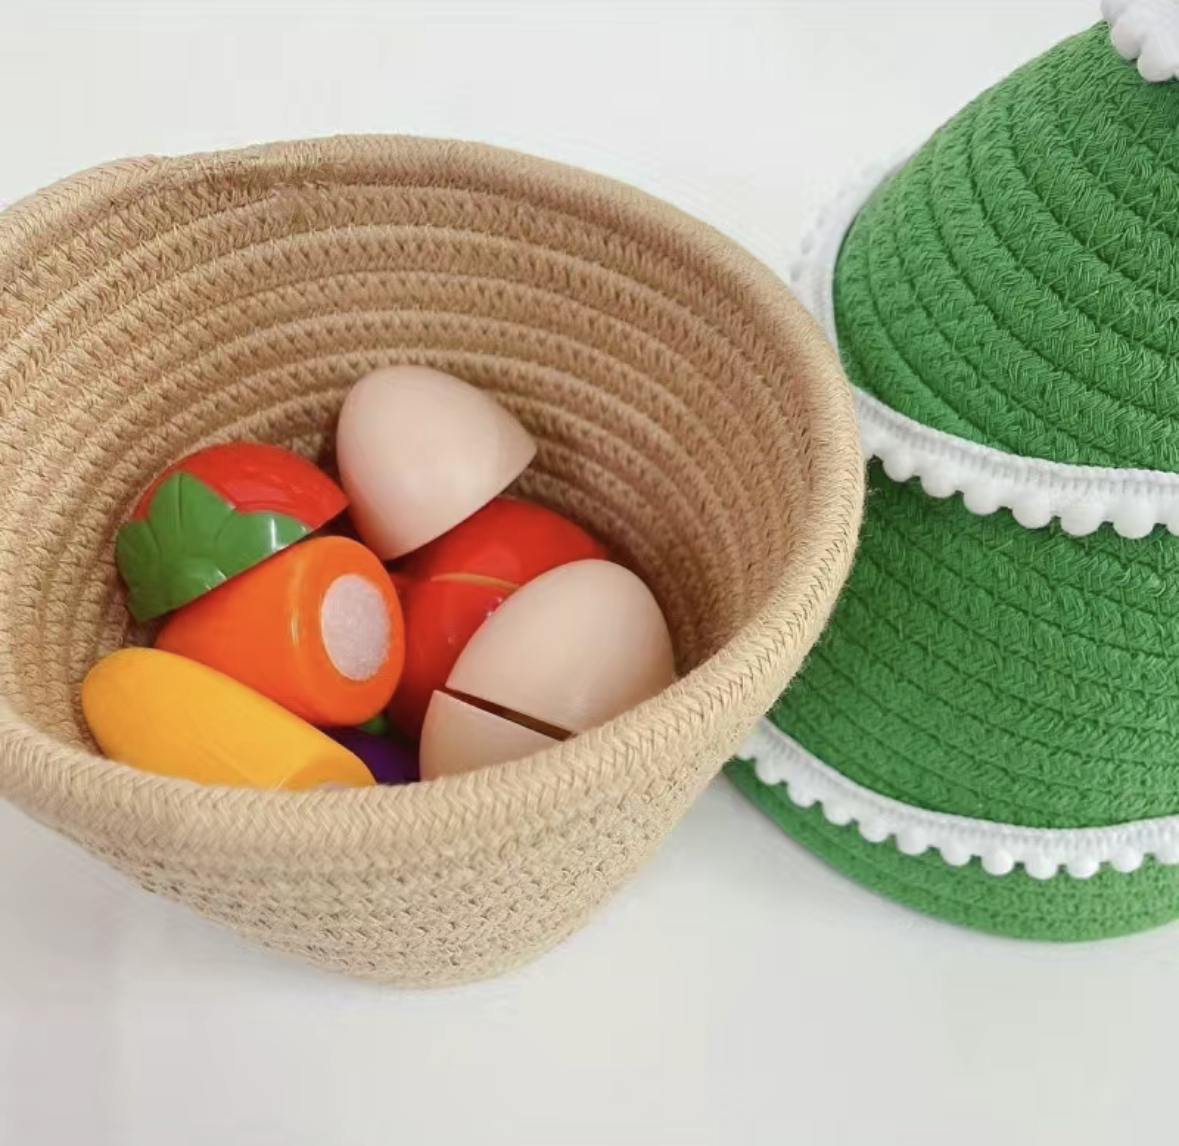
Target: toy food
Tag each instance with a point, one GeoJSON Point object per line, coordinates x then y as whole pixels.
{"type": "Point", "coordinates": [317, 629]}
{"type": "Point", "coordinates": [419, 451]}
{"type": "Point", "coordinates": [566, 652]}
{"type": "Point", "coordinates": [375, 725]}
{"type": "Point", "coordinates": [459, 737]}
{"type": "Point", "coordinates": [389, 761]}
{"type": "Point", "coordinates": [215, 514]}
{"type": "Point", "coordinates": [173, 716]}
{"type": "Point", "coordinates": [440, 617]}
{"type": "Point", "coordinates": [451, 586]}
{"type": "Point", "coordinates": [508, 540]}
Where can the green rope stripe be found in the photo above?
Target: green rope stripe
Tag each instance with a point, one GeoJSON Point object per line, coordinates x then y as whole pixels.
{"type": "Point", "coordinates": [983, 669]}
{"type": "Point", "coordinates": [1017, 282]}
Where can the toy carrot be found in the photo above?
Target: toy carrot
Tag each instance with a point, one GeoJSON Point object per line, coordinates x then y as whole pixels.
{"type": "Point", "coordinates": [318, 629]}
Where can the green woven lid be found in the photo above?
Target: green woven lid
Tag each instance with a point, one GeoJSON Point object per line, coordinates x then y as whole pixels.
{"type": "Point", "coordinates": [984, 669]}
{"type": "Point", "coordinates": [1016, 283]}
{"type": "Point", "coordinates": [989, 729]}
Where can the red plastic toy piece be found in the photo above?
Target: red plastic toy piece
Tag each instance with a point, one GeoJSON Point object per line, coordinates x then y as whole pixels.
{"type": "Point", "coordinates": [217, 513]}
{"type": "Point", "coordinates": [449, 587]}
{"type": "Point", "coordinates": [507, 540]}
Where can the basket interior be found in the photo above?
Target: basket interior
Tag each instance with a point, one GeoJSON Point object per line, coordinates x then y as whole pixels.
{"type": "Point", "coordinates": [240, 299]}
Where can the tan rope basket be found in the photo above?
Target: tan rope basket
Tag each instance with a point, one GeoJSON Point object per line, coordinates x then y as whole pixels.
{"type": "Point", "coordinates": [686, 410]}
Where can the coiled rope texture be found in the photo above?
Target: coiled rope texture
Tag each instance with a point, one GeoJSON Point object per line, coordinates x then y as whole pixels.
{"type": "Point", "coordinates": [687, 410]}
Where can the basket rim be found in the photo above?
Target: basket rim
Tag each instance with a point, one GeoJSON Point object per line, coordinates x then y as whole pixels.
{"type": "Point", "coordinates": [715, 704]}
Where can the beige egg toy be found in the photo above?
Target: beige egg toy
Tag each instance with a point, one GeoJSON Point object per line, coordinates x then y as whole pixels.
{"type": "Point", "coordinates": [463, 738]}
{"type": "Point", "coordinates": [419, 451]}
{"type": "Point", "coordinates": [565, 653]}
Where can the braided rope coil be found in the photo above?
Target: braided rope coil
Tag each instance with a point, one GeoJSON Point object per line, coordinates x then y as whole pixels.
{"type": "Point", "coordinates": [1035, 490]}
{"type": "Point", "coordinates": [686, 408]}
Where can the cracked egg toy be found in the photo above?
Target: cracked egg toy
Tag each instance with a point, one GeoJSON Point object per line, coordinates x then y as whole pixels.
{"type": "Point", "coordinates": [570, 650]}
{"type": "Point", "coordinates": [451, 586]}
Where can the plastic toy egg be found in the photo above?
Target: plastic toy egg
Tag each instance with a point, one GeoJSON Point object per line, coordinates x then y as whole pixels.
{"type": "Point", "coordinates": [173, 716]}
{"type": "Point", "coordinates": [317, 629]}
{"type": "Point", "coordinates": [462, 738]}
{"type": "Point", "coordinates": [419, 451]}
{"type": "Point", "coordinates": [214, 514]}
{"type": "Point", "coordinates": [571, 649]}
{"type": "Point", "coordinates": [389, 761]}
{"type": "Point", "coordinates": [568, 651]}
{"type": "Point", "coordinates": [451, 586]}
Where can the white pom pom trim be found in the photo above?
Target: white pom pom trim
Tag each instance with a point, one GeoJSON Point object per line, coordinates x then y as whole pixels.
{"type": "Point", "coordinates": [1033, 489]}
{"type": "Point", "coordinates": [1146, 31]}
{"type": "Point", "coordinates": [1042, 852]}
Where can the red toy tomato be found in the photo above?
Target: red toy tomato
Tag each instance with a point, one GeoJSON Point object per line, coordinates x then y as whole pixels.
{"type": "Point", "coordinates": [440, 618]}
{"type": "Point", "coordinates": [253, 477]}
{"type": "Point", "coordinates": [215, 514]}
{"type": "Point", "coordinates": [451, 586]}
{"type": "Point", "coordinates": [508, 540]}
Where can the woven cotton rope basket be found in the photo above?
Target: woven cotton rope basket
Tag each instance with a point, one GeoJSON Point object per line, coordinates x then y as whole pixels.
{"type": "Point", "coordinates": [686, 408]}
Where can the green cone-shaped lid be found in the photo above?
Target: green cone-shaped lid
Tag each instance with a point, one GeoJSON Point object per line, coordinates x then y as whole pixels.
{"type": "Point", "coordinates": [986, 689]}
{"type": "Point", "coordinates": [1016, 282]}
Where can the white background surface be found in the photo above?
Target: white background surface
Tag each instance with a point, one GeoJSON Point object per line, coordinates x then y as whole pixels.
{"type": "Point", "coordinates": [736, 991]}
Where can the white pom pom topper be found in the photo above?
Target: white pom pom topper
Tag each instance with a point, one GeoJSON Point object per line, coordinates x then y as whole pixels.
{"type": "Point", "coordinates": [1146, 31]}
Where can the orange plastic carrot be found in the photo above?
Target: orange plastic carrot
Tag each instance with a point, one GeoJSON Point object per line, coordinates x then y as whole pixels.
{"type": "Point", "coordinates": [317, 628]}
